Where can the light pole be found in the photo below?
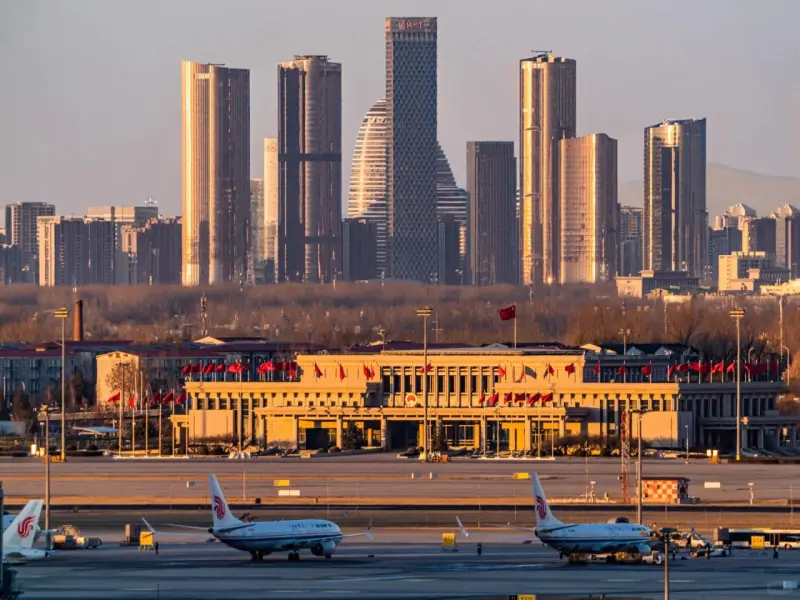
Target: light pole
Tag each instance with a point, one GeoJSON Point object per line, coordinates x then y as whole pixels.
{"type": "Point", "coordinates": [625, 333]}
{"type": "Point", "coordinates": [666, 533]}
{"type": "Point", "coordinates": [63, 313]}
{"type": "Point", "coordinates": [45, 411]}
{"type": "Point", "coordinates": [788, 360]}
{"type": "Point", "coordinates": [687, 443]}
{"type": "Point", "coordinates": [737, 314]}
{"type": "Point", "coordinates": [639, 411]}
{"type": "Point", "coordinates": [382, 333]}
{"type": "Point", "coordinates": [425, 313]}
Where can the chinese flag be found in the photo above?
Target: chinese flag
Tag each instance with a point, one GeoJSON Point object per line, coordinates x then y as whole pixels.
{"type": "Point", "coordinates": [292, 370]}
{"type": "Point", "coordinates": [168, 398]}
{"type": "Point", "coordinates": [507, 398]}
{"type": "Point", "coordinates": [534, 398]}
{"type": "Point", "coordinates": [482, 399]}
{"type": "Point", "coordinates": [317, 371]}
{"type": "Point", "coordinates": [186, 369]}
{"type": "Point", "coordinates": [494, 398]}
{"type": "Point", "coordinates": [647, 370]}
{"type": "Point", "coordinates": [341, 373]}
{"type": "Point", "coordinates": [132, 401]}
{"type": "Point", "coordinates": [426, 369]}
{"type": "Point", "coordinates": [220, 368]}
{"type": "Point", "coordinates": [181, 399]}
{"type": "Point", "coordinates": [501, 372]}
{"type": "Point", "coordinates": [549, 370]}
{"type": "Point", "coordinates": [719, 367]}
{"type": "Point", "coordinates": [371, 373]}
{"type": "Point", "coordinates": [671, 371]}
{"type": "Point", "coordinates": [621, 370]}
{"type": "Point", "coordinates": [731, 368]}
{"type": "Point", "coordinates": [114, 398]}
{"type": "Point", "coordinates": [597, 367]}
{"type": "Point", "coordinates": [508, 313]}
{"type": "Point", "coordinates": [548, 397]}
{"type": "Point", "coordinates": [155, 399]}
{"type": "Point", "coordinates": [570, 368]}
{"type": "Point", "coordinates": [519, 397]}
{"type": "Point", "coordinates": [366, 371]}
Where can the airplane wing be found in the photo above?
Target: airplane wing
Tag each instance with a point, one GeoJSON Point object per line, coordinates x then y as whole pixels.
{"type": "Point", "coordinates": [367, 533]}
{"type": "Point", "coordinates": [205, 536]}
{"type": "Point", "coordinates": [529, 539]}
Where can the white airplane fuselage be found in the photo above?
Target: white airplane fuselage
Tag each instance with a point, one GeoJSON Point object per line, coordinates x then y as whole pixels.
{"type": "Point", "coordinates": [594, 538]}
{"type": "Point", "coordinates": [321, 537]}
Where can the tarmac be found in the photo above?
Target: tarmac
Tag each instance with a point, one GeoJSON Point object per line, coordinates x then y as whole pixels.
{"type": "Point", "coordinates": [381, 479]}
{"type": "Point", "coordinates": [397, 564]}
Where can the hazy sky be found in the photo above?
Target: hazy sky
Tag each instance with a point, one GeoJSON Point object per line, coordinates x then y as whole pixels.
{"type": "Point", "coordinates": [90, 94]}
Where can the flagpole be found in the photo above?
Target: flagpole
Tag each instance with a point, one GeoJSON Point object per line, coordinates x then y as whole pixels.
{"type": "Point", "coordinates": [160, 413]}
{"type": "Point", "coordinates": [515, 326]}
{"type": "Point", "coordinates": [121, 413]}
{"type": "Point", "coordinates": [173, 422]}
{"type": "Point", "coordinates": [147, 427]}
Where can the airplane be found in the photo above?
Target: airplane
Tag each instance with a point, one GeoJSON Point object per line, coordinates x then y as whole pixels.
{"type": "Point", "coordinates": [262, 538]}
{"type": "Point", "coordinates": [580, 540]}
{"type": "Point", "coordinates": [8, 519]}
{"type": "Point", "coordinates": [18, 537]}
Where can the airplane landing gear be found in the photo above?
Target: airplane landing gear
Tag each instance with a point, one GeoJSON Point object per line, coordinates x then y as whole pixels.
{"type": "Point", "coordinates": [293, 556]}
{"type": "Point", "coordinates": [256, 556]}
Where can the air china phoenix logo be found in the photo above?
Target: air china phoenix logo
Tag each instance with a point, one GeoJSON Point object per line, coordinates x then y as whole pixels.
{"type": "Point", "coordinates": [25, 527]}
{"type": "Point", "coordinates": [541, 507]}
{"type": "Point", "coordinates": [219, 507]}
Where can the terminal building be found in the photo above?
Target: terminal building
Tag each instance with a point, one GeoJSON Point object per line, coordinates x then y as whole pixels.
{"type": "Point", "coordinates": [503, 397]}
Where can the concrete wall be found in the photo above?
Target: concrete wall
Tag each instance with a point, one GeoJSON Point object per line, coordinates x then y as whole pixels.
{"type": "Point", "coordinates": [211, 423]}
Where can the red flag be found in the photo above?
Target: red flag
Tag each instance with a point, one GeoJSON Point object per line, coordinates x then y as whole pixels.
{"type": "Point", "coordinates": [181, 399]}
{"type": "Point", "coordinates": [731, 368]}
{"type": "Point", "coordinates": [167, 398]}
{"type": "Point", "coordinates": [341, 373]}
{"type": "Point", "coordinates": [747, 368]}
{"type": "Point", "coordinates": [493, 399]}
{"type": "Point", "coordinates": [719, 367]}
{"type": "Point", "coordinates": [519, 397]}
{"type": "Point", "coordinates": [198, 368]}
{"type": "Point", "coordinates": [570, 368]}
{"type": "Point", "coordinates": [508, 313]}
{"type": "Point", "coordinates": [507, 398]}
{"type": "Point", "coordinates": [534, 398]}
{"type": "Point", "coordinates": [220, 368]}
{"type": "Point", "coordinates": [522, 376]}
{"type": "Point", "coordinates": [597, 367]}
{"type": "Point", "coordinates": [548, 397]}
{"type": "Point", "coordinates": [292, 370]}
{"type": "Point", "coordinates": [371, 373]}
{"type": "Point", "coordinates": [235, 368]}
{"type": "Point", "coordinates": [132, 401]}
{"type": "Point", "coordinates": [155, 399]}
{"type": "Point", "coordinates": [366, 371]}
{"type": "Point", "coordinates": [482, 399]}
{"type": "Point", "coordinates": [549, 370]}
{"type": "Point", "coordinates": [186, 369]}
{"type": "Point", "coordinates": [501, 372]}
{"type": "Point", "coordinates": [317, 371]}
{"type": "Point", "coordinates": [426, 369]}
{"type": "Point", "coordinates": [114, 398]}
{"type": "Point", "coordinates": [621, 370]}
{"type": "Point", "coordinates": [683, 368]}
{"type": "Point", "coordinates": [671, 371]}
{"type": "Point", "coordinates": [647, 370]}
{"type": "Point", "coordinates": [209, 368]}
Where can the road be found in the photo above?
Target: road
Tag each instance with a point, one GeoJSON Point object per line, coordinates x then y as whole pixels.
{"type": "Point", "coordinates": [378, 478]}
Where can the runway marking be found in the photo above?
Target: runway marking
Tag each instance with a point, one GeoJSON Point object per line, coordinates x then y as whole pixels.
{"type": "Point", "coordinates": [624, 580]}
{"type": "Point", "coordinates": [138, 590]}
{"type": "Point", "coordinates": [381, 578]}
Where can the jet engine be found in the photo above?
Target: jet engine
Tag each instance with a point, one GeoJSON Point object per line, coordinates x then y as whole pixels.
{"type": "Point", "coordinates": [325, 548]}
{"type": "Point", "coordinates": [644, 549]}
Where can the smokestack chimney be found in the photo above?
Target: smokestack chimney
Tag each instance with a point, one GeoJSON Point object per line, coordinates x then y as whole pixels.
{"type": "Point", "coordinates": [77, 330]}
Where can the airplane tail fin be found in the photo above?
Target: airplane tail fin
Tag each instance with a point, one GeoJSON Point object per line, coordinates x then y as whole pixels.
{"type": "Point", "coordinates": [220, 513]}
{"type": "Point", "coordinates": [22, 530]}
{"type": "Point", "coordinates": [544, 518]}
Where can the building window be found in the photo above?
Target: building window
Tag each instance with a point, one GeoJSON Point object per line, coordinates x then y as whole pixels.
{"type": "Point", "coordinates": [223, 404]}
{"type": "Point", "coordinates": [462, 384]}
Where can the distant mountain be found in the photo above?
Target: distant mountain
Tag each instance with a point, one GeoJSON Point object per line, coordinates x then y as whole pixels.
{"type": "Point", "coordinates": [728, 186]}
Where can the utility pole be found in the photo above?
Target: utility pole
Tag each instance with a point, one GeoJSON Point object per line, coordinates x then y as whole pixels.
{"type": "Point", "coordinates": [639, 412]}
{"type": "Point", "coordinates": [737, 314]}
{"type": "Point", "coordinates": [63, 313]}
{"type": "Point", "coordinates": [425, 313]}
{"type": "Point", "coordinates": [46, 410]}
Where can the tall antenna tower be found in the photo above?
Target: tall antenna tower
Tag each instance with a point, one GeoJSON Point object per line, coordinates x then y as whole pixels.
{"type": "Point", "coordinates": [625, 454]}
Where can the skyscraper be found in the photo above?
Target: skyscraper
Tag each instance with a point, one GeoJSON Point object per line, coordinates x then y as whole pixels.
{"type": "Point", "coordinates": [269, 250]}
{"type": "Point", "coordinates": [547, 107]}
{"type": "Point", "coordinates": [22, 230]}
{"type": "Point", "coordinates": [492, 223]}
{"type": "Point", "coordinates": [588, 211]}
{"type": "Point", "coordinates": [257, 228]}
{"type": "Point", "coordinates": [629, 260]}
{"type": "Point", "coordinates": [369, 183]}
{"type": "Point", "coordinates": [675, 217]}
{"type": "Point", "coordinates": [215, 107]}
{"type": "Point", "coordinates": [310, 169]}
{"type": "Point", "coordinates": [787, 238]}
{"type": "Point", "coordinates": [411, 102]}
{"type": "Point", "coordinates": [153, 251]}
{"type": "Point", "coordinates": [359, 238]}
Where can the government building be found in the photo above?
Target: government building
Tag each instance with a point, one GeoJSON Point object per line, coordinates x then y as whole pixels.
{"type": "Point", "coordinates": [496, 395]}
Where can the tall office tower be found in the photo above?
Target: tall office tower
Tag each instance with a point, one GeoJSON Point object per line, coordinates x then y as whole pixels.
{"type": "Point", "coordinates": [411, 103]}
{"type": "Point", "coordinates": [11, 264]}
{"type": "Point", "coordinates": [734, 216]}
{"type": "Point", "coordinates": [310, 169]}
{"type": "Point", "coordinates": [726, 240]}
{"type": "Point", "coordinates": [758, 235]}
{"type": "Point", "coordinates": [359, 242]}
{"type": "Point", "coordinates": [22, 230]}
{"type": "Point", "coordinates": [588, 209]}
{"type": "Point", "coordinates": [369, 182]}
{"type": "Point", "coordinates": [630, 222]}
{"type": "Point", "coordinates": [257, 228]}
{"type": "Point", "coordinates": [547, 113]}
{"type": "Point", "coordinates": [675, 217]}
{"type": "Point", "coordinates": [492, 232]}
{"type": "Point", "coordinates": [269, 251]}
{"type": "Point", "coordinates": [100, 239]}
{"type": "Point", "coordinates": [448, 251]}
{"type": "Point", "coordinates": [451, 201]}
{"type": "Point", "coordinates": [153, 252]}
{"type": "Point", "coordinates": [215, 128]}
{"type": "Point", "coordinates": [787, 238]}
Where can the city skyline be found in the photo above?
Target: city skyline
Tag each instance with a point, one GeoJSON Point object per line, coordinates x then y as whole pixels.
{"type": "Point", "coordinates": [147, 138]}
